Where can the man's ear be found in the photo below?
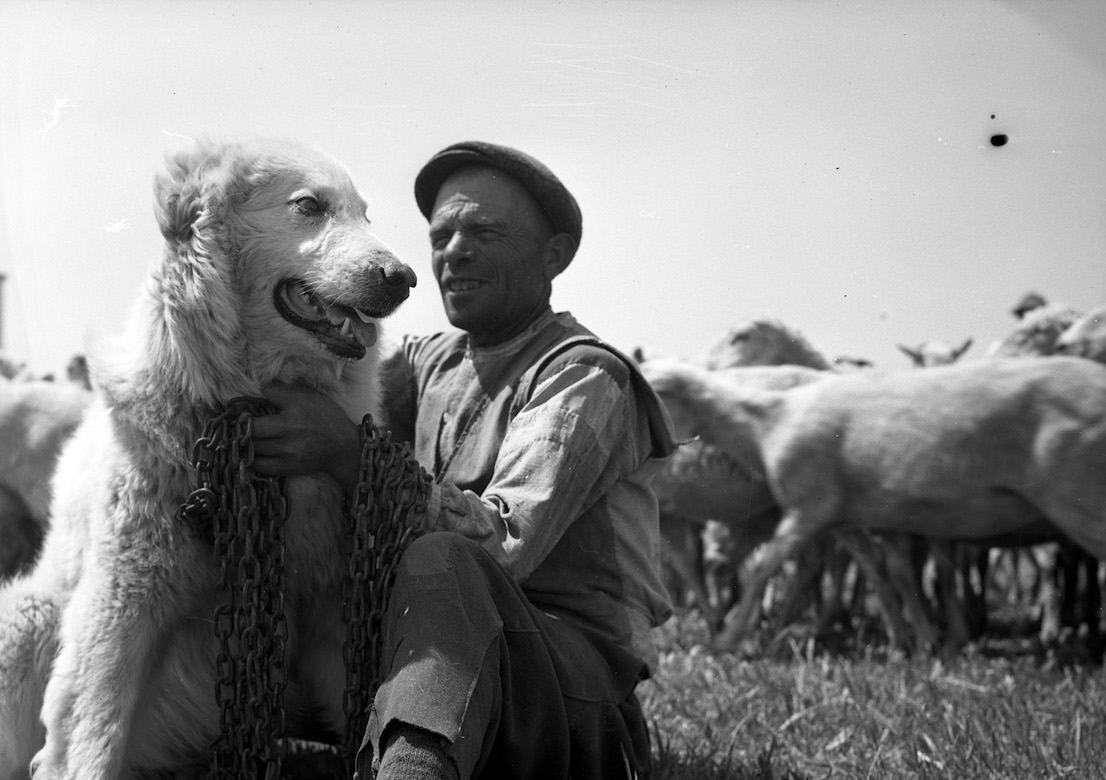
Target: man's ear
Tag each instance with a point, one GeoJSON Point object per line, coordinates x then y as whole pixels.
{"type": "Point", "coordinates": [559, 251]}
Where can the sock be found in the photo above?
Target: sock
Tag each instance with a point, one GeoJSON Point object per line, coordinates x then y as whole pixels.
{"type": "Point", "coordinates": [412, 753]}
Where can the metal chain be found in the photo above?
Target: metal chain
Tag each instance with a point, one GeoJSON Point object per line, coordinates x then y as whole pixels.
{"type": "Point", "coordinates": [243, 515]}
{"type": "Point", "coordinates": [391, 490]}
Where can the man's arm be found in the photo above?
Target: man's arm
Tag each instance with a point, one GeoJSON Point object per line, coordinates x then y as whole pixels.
{"type": "Point", "coordinates": [575, 437]}
{"type": "Point", "coordinates": [312, 434]}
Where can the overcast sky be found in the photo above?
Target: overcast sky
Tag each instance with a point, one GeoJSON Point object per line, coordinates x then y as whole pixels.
{"type": "Point", "coordinates": [826, 164]}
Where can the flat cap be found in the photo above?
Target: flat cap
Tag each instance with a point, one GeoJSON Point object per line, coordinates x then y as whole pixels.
{"type": "Point", "coordinates": [1028, 303]}
{"type": "Point", "coordinates": [554, 198]}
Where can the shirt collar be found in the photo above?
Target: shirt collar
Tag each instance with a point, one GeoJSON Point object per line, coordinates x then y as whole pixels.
{"type": "Point", "coordinates": [512, 346]}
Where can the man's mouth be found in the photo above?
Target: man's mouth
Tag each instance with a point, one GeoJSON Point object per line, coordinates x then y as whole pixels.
{"type": "Point", "coordinates": [463, 285]}
{"type": "Point", "coordinates": [346, 331]}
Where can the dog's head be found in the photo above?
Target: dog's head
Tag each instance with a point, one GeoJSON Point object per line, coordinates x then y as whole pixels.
{"type": "Point", "coordinates": [271, 269]}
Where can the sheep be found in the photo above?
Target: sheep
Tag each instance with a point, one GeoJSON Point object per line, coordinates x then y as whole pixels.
{"type": "Point", "coordinates": [36, 418]}
{"type": "Point", "coordinates": [951, 559]}
{"type": "Point", "coordinates": [1041, 332]}
{"type": "Point", "coordinates": [973, 450]}
{"type": "Point", "coordinates": [935, 353]}
{"type": "Point", "coordinates": [1027, 303]}
{"type": "Point", "coordinates": [1086, 337]}
{"type": "Point", "coordinates": [851, 363]}
{"type": "Point", "coordinates": [766, 342]}
{"type": "Point", "coordinates": [762, 342]}
{"type": "Point", "coordinates": [1036, 333]}
{"type": "Point", "coordinates": [699, 484]}
{"type": "Point", "coordinates": [10, 368]}
{"type": "Point", "coordinates": [77, 372]}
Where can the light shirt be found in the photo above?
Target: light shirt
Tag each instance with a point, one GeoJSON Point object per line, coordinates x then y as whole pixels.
{"type": "Point", "coordinates": [546, 464]}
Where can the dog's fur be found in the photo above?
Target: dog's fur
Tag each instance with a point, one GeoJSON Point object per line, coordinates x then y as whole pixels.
{"type": "Point", "coordinates": [111, 635]}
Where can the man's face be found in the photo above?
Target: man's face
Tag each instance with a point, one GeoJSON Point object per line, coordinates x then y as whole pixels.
{"type": "Point", "coordinates": [490, 255]}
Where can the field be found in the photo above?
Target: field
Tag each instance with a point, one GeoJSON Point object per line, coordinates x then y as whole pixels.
{"type": "Point", "coordinates": [801, 712]}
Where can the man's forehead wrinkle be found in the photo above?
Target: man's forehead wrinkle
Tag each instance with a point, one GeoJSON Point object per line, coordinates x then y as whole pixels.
{"type": "Point", "coordinates": [467, 216]}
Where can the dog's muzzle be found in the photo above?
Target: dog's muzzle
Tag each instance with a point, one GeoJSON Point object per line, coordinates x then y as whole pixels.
{"type": "Point", "coordinates": [343, 330]}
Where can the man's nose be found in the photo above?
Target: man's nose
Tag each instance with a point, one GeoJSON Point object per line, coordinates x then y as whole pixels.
{"type": "Point", "coordinates": [458, 249]}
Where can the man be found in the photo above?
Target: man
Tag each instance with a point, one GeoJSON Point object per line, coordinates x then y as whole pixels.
{"type": "Point", "coordinates": [515, 637]}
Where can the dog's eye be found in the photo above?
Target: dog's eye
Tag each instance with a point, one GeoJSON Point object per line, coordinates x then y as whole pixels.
{"type": "Point", "coordinates": [308, 206]}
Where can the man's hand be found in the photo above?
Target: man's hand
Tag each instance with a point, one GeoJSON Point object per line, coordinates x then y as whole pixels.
{"type": "Point", "coordinates": [309, 434]}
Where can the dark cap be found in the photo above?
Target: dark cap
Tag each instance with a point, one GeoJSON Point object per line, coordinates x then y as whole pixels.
{"type": "Point", "coordinates": [553, 197]}
{"type": "Point", "coordinates": [1028, 303]}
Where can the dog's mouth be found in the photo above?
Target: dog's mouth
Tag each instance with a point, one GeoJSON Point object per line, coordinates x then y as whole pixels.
{"type": "Point", "coordinates": [343, 330]}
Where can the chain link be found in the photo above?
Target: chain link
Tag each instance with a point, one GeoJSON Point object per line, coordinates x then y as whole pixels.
{"type": "Point", "coordinates": [391, 490]}
{"type": "Point", "coordinates": [243, 515]}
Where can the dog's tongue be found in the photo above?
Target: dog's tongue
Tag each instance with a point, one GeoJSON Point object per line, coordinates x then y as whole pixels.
{"type": "Point", "coordinates": [367, 334]}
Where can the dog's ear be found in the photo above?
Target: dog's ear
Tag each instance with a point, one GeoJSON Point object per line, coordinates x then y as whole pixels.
{"type": "Point", "coordinates": [194, 285]}
{"type": "Point", "coordinates": [190, 190]}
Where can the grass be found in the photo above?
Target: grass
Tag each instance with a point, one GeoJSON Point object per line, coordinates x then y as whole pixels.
{"type": "Point", "coordinates": [800, 712]}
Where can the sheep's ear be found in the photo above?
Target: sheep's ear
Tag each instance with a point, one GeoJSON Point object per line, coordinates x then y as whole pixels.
{"type": "Point", "coordinates": [913, 354]}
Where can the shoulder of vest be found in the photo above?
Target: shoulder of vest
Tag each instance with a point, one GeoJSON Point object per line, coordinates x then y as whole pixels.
{"type": "Point", "coordinates": [586, 349]}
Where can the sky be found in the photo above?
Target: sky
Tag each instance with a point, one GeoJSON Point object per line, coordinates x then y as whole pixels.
{"type": "Point", "coordinates": [825, 164]}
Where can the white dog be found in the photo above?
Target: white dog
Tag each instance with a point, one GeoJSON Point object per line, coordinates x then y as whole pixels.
{"type": "Point", "coordinates": [270, 273]}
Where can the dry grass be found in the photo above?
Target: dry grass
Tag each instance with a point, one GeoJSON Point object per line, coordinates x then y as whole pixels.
{"type": "Point", "coordinates": [801, 713]}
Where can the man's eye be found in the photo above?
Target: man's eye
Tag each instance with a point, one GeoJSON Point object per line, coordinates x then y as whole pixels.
{"type": "Point", "coordinates": [308, 206]}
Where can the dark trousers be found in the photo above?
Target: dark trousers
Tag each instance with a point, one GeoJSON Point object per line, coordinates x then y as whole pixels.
{"type": "Point", "coordinates": [515, 692]}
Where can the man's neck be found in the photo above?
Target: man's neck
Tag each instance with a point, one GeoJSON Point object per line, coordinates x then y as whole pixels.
{"type": "Point", "coordinates": [492, 342]}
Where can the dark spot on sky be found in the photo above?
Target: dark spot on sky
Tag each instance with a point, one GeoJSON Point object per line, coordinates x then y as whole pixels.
{"type": "Point", "coordinates": [999, 140]}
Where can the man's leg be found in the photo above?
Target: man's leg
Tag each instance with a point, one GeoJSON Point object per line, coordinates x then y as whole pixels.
{"type": "Point", "coordinates": [456, 621]}
{"type": "Point", "coordinates": [506, 690]}
{"type": "Point", "coordinates": [410, 753]}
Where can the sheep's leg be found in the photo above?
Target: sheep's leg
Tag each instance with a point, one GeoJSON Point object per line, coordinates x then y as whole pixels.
{"type": "Point", "coordinates": [976, 558]}
{"type": "Point", "coordinates": [834, 607]}
{"type": "Point", "coordinates": [1048, 596]}
{"type": "Point", "coordinates": [683, 551]}
{"type": "Point", "coordinates": [859, 546]}
{"type": "Point", "coordinates": [958, 632]}
{"type": "Point", "coordinates": [906, 581]}
{"type": "Point", "coordinates": [1075, 499]}
{"type": "Point", "coordinates": [804, 587]}
{"type": "Point", "coordinates": [1092, 600]}
{"type": "Point", "coordinates": [1078, 604]}
{"type": "Point", "coordinates": [785, 544]}
{"type": "Point", "coordinates": [719, 564]}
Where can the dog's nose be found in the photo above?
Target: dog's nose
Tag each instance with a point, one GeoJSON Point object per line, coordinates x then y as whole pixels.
{"type": "Point", "coordinates": [398, 275]}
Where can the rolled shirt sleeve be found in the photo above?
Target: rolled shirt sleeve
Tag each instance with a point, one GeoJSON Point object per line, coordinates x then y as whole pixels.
{"type": "Point", "coordinates": [561, 452]}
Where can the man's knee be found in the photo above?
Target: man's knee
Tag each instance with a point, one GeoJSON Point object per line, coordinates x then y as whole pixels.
{"type": "Point", "coordinates": [438, 552]}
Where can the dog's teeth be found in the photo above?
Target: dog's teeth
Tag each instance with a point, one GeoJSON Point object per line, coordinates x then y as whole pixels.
{"type": "Point", "coordinates": [365, 318]}
{"type": "Point", "coordinates": [346, 327]}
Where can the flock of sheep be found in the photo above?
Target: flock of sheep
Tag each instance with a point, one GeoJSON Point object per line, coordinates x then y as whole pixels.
{"type": "Point", "coordinates": [932, 490]}
{"type": "Point", "coordinates": [927, 492]}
